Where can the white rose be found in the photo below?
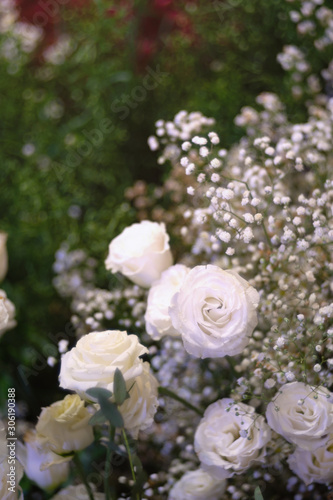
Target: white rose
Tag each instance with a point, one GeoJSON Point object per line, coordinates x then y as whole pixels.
{"type": "Point", "coordinates": [65, 425]}
{"type": "Point", "coordinates": [302, 415]}
{"type": "Point", "coordinates": [157, 317]}
{"type": "Point", "coordinates": [215, 312]}
{"type": "Point", "coordinates": [3, 255]}
{"type": "Point", "coordinates": [197, 485]}
{"type": "Point", "coordinates": [313, 466]}
{"type": "Point", "coordinates": [41, 465]}
{"type": "Point", "coordinates": [138, 411]}
{"type": "Point", "coordinates": [7, 313]}
{"type": "Point", "coordinates": [230, 438]}
{"type": "Point", "coordinates": [141, 252]}
{"type": "Point", "coordinates": [93, 362]}
{"type": "Point", "coordinates": [78, 492]}
{"type": "Point", "coordinates": [5, 471]}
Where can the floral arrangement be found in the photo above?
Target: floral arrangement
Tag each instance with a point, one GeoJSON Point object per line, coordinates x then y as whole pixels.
{"type": "Point", "coordinates": [205, 370]}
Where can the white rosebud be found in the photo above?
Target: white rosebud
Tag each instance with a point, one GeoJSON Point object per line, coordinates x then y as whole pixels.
{"type": "Point", "coordinates": [3, 255]}
{"type": "Point", "coordinates": [306, 425]}
{"type": "Point", "coordinates": [65, 425]}
{"type": "Point", "coordinates": [157, 317]}
{"type": "Point", "coordinates": [313, 466]}
{"type": "Point", "coordinates": [94, 359]}
{"type": "Point", "coordinates": [222, 450]}
{"type": "Point", "coordinates": [197, 485]}
{"type": "Point", "coordinates": [139, 409]}
{"type": "Point", "coordinates": [40, 464]}
{"type": "Point", "coordinates": [141, 253]}
{"type": "Point", "coordinates": [215, 312]}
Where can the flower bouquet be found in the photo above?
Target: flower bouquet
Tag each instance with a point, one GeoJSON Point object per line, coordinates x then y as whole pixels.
{"type": "Point", "coordinates": [205, 369]}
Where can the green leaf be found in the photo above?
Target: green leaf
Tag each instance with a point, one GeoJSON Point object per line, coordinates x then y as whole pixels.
{"type": "Point", "coordinates": [257, 494]}
{"type": "Point", "coordinates": [99, 393]}
{"type": "Point", "coordinates": [112, 413]}
{"type": "Point", "coordinates": [120, 76]}
{"type": "Point", "coordinates": [97, 418]}
{"type": "Point", "coordinates": [119, 388]}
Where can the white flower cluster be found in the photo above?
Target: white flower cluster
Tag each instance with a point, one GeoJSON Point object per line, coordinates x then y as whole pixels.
{"type": "Point", "coordinates": [213, 310]}
{"type": "Point", "coordinates": [183, 127]}
{"type": "Point", "coordinates": [19, 38]}
{"type": "Point", "coordinates": [249, 299]}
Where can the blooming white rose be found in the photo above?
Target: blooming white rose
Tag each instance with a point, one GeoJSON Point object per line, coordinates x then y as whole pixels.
{"type": "Point", "coordinates": [3, 255]}
{"type": "Point", "coordinates": [157, 317]}
{"type": "Point", "coordinates": [303, 415]}
{"type": "Point", "coordinates": [78, 492]}
{"type": "Point", "coordinates": [139, 409]}
{"type": "Point", "coordinates": [65, 425]}
{"type": "Point", "coordinates": [313, 466]}
{"type": "Point", "coordinates": [94, 360]}
{"type": "Point", "coordinates": [9, 477]}
{"type": "Point", "coordinates": [215, 312]}
{"type": "Point", "coordinates": [41, 465]}
{"type": "Point", "coordinates": [197, 485]}
{"type": "Point", "coordinates": [7, 313]}
{"type": "Point", "coordinates": [230, 438]}
{"type": "Point", "coordinates": [141, 252]}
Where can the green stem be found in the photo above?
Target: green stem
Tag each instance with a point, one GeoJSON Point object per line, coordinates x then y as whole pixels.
{"type": "Point", "coordinates": [232, 365]}
{"type": "Point", "coordinates": [109, 454]}
{"type": "Point", "coordinates": [130, 459]}
{"type": "Point", "coordinates": [166, 392]}
{"type": "Point", "coordinates": [266, 234]}
{"type": "Point", "coordinates": [82, 475]}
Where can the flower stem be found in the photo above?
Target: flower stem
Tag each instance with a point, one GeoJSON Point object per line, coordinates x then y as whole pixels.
{"type": "Point", "coordinates": [81, 473]}
{"type": "Point", "coordinates": [130, 459]}
{"type": "Point", "coordinates": [108, 464]}
{"type": "Point", "coordinates": [232, 366]}
{"type": "Point", "coordinates": [266, 234]}
{"type": "Point", "coordinates": [166, 392]}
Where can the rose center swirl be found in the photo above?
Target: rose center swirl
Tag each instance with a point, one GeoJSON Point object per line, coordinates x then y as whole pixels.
{"type": "Point", "coordinates": [215, 310]}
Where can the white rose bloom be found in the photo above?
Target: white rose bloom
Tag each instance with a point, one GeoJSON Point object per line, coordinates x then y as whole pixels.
{"type": "Point", "coordinates": [197, 485]}
{"type": "Point", "coordinates": [230, 438]}
{"type": "Point", "coordinates": [302, 415]}
{"type": "Point", "coordinates": [215, 312]}
{"type": "Point", "coordinates": [93, 362]}
{"type": "Point", "coordinates": [77, 492]}
{"type": "Point", "coordinates": [65, 425]}
{"type": "Point", "coordinates": [157, 317]}
{"type": "Point", "coordinates": [141, 253]}
{"type": "Point", "coordinates": [41, 465]}
{"type": "Point", "coordinates": [138, 411]}
{"type": "Point", "coordinates": [313, 466]}
{"type": "Point", "coordinates": [7, 313]}
{"type": "Point", "coordinates": [6, 469]}
{"type": "Point", "coordinates": [3, 255]}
